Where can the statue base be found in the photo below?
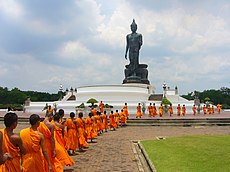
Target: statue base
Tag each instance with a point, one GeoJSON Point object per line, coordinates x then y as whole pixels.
{"type": "Point", "coordinates": [140, 75]}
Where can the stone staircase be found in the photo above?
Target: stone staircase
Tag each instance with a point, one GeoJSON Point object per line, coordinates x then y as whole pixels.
{"type": "Point", "coordinates": [186, 122]}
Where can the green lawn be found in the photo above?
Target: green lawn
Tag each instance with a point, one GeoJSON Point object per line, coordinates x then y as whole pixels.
{"type": "Point", "coordinates": [190, 153]}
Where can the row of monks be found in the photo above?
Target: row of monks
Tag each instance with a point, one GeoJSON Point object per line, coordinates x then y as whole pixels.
{"type": "Point", "coordinates": [181, 110]}
{"type": "Point", "coordinates": [47, 145]}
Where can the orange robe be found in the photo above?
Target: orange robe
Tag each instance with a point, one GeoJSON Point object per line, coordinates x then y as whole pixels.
{"type": "Point", "coordinates": [56, 164]}
{"type": "Point", "coordinates": [218, 108]}
{"type": "Point", "coordinates": [116, 114]}
{"type": "Point", "coordinates": [105, 121]}
{"type": "Point", "coordinates": [139, 113]}
{"type": "Point", "coordinates": [81, 132]}
{"type": "Point", "coordinates": [125, 110]}
{"type": "Point", "coordinates": [150, 109]}
{"type": "Point", "coordinates": [112, 121]}
{"type": "Point", "coordinates": [154, 110]}
{"type": "Point", "coordinates": [33, 160]}
{"type": "Point", "coordinates": [123, 118]}
{"type": "Point", "coordinates": [62, 154]}
{"type": "Point", "coordinates": [14, 164]}
{"type": "Point", "coordinates": [178, 110]}
{"type": "Point", "coordinates": [161, 111]}
{"type": "Point", "coordinates": [170, 110]}
{"type": "Point", "coordinates": [94, 120]}
{"type": "Point", "coordinates": [101, 107]}
{"type": "Point", "coordinates": [89, 128]}
{"type": "Point", "coordinates": [94, 112]}
{"type": "Point", "coordinates": [194, 110]}
{"type": "Point", "coordinates": [183, 110]}
{"type": "Point", "coordinates": [204, 110]}
{"type": "Point", "coordinates": [72, 137]}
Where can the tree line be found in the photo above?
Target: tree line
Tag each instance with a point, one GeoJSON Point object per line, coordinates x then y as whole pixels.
{"type": "Point", "coordinates": [220, 96]}
{"type": "Point", "coordinates": [15, 98]}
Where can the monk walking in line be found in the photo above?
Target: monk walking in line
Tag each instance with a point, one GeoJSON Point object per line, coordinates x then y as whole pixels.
{"type": "Point", "coordinates": [36, 152]}
{"type": "Point", "coordinates": [105, 121]}
{"type": "Point", "coordinates": [150, 109]}
{"type": "Point", "coordinates": [47, 129]}
{"type": "Point", "coordinates": [194, 110]}
{"type": "Point", "coordinates": [117, 118]}
{"type": "Point", "coordinates": [161, 110]}
{"type": "Point", "coordinates": [3, 156]}
{"type": "Point", "coordinates": [154, 110]}
{"type": "Point", "coordinates": [126, 112]}
{"type": "Point", "coordinates": [12, 143]}
{"type": "Point", "coordinates": [170, 110]}
{"type": "Point", "coordinates": [81, 132]}
{"type": "Point", "coordinates": [183, 110]}
{"type": "Point", "coordinates": [112, 121]}
{"type": "Point", "coordinates": [209, 110]}
{"type": "Point", "coordinates": [218, 108]}
{"type": "Point", "coordinates": [204, 110]}
{"type": "Point", "coordinates": [72, 135]}
{"type": "Point", "coordinates": [89, 128]}
{"type": "Point", "coordinates": [61, 153]}
{"type": "Point", "coordinates": [101, 107]}
{"type": "Point", "coordinates": [178, 110]}
{"type": "Point", "coordinates": [139, 113]}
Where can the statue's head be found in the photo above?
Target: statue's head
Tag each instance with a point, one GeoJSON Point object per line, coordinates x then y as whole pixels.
{"type": "Point", "coordinates": [133, 26]}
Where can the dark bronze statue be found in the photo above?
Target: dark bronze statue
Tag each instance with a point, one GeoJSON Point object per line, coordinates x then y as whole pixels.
{"type": "Point", "coordinates": [133, 45]}
{"type": "Point", "coordinates": [135, 72]}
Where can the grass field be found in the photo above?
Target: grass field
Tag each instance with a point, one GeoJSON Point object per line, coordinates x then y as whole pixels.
{"type": "Point", "coordinates": [190, 153]}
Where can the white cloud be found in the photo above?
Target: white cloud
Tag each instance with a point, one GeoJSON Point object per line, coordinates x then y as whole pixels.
{"type": "Point", "coordinates": [11, 8]}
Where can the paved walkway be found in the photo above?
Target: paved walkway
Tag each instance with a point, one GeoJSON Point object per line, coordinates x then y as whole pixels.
{"type": "Point", "coordinates": [113, 151]}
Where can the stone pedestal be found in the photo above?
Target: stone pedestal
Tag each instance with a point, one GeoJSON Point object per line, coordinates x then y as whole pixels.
{"type": "Point", "coordinates": [140, 75]}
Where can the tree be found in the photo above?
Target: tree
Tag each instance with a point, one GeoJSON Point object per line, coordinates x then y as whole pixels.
{"type": "Point", "coordinates": [92, 101]}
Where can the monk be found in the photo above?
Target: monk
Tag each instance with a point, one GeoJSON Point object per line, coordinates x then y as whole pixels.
{"type": "Point", "coordinates": [47, 129]}
{"type": "Point", "coordinates": [112, 121]}
{"type": "Point", "coordinates": [170, 110]}
{"type": "Point", "coordinates": [50, 109]}
{"type": "Point", "coordinates": [12, 143]}
{"type": "Point", "coordinates": [139, 113]}
{"type": "Point", "coordinates": [101, 107]}
{"type": "Point", "coordinates": [218, 108]}
{"type": "Point", "coordinates": [61, 152]}
{"type": "Point", "coordinates": [194, 110]}
{"type": "Point", "coordinates": [204, 110]}
{"type": "Point", "coordinates": [123, 114]}
{"type": "Point", "coordinates": [161, 110]}
{"type": "Point", "coordinates": [72, 135]}
{"type": "Point", "coordinates": [126, 112]}
{"type": "Point", "coordinates": [212, 109]}
{"type": "Point", "coordinates": [94, 111]}
{"type": "Point", "coordinates": [209, 110]}
{"type": "Point", "coordinates": [150, 109]}
{"type": "Point", "coordinates": [154, 110]}
{"type": "Point", "coordinates": [99, 123]}
{"type": "Point", "coordinates": [105, 121]}
{"type": "Point", "coordinates": [81, 132]}
{"type": "Point", "coordinates": [3, 156]}
{"type": "Point", "coordinates": [123, 118]}
{"type": "Point", "coordinates": [178, 110]}
{"type": "Point", "coordinates": [117, 118]}
{"type": "Point", "coordinates": [183, 110]}
{"type": "Point", "coordinates": [36, 152]}
{"type": "Point", "coordinates": [89, 127]}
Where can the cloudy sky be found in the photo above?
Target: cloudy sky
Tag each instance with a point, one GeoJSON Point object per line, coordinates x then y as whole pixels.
{"type": "Point", "coordinates": [82, 42]}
